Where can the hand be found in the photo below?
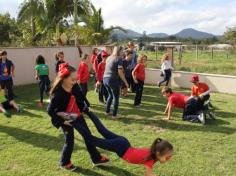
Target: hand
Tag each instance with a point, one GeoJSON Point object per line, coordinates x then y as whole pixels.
{"type": "Point", "coordinates": [13, 75]}
{"type": "Point", "coordinates": [36, 77]}
{"type": "Point", "coordinates": [201, 97]}
{"type": "Point", "coordinates": [136, 81]}
{"type": "Point", "coordinates": [126, 85]}
{"type": "Point", "coordinates": [68, 122]}
{"type": "Point", "coordinates": [78, 82]}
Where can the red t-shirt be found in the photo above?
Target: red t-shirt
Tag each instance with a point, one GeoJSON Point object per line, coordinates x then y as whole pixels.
{"type": "Point", "coordinates": [94, 62]}
{"type": "Point", "coordinates": [73, 107]}
{"type": "Point", "coordinates": [138, 156]}
{"type": "Point", "coordinates": [178, 100]}
{"type": "Point", "coordinates": [198, 90]}
{"type": "Point", "coordinates": [83, 72]}
{"type": "Point", "coordinates": [139, 72]}
{"type": "Point", "coordinates": [101, 70]}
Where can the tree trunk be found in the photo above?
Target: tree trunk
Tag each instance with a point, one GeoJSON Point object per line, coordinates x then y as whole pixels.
{"type": "Point", "coordinates": [33, 29]}
{"type": "Point", "coordinates": [75, 12]}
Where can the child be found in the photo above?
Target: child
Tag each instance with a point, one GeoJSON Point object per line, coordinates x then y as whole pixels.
{"type": "Point", "coordinates": [60, 57]}
{"type": "Point", "coordinates": [191, 109]}
{"type": "Point", "coordinates": [66, 96]}
{"type": "Point", "coordinates": [83, 74]}
{"type": "Point", "coordinates": [166, 69]}
{"type": "Point", "coordinates": [42, 72]}
{"type": "Point", "coordinates": [6, 104]}
{"type": "Point", "coordinates": [93, 60]}
{"type": "Point", "coordinates": [6, 74]}
{"type": "Point", "coordinates": [128, 76]}
{"type": "Point", "coordinates": [101, 69]}
{"type": "Point", "coordinates": [160, 150]}
{"type": "Point", "coordinates": [139, 77]}
{"type": "Point", "coordinates": [200, 90]}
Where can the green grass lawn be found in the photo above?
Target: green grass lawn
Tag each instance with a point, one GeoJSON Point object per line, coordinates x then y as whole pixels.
{"type": "Point", "coordinates": [205, 64]}
{"type": "Point", "coordinates": [29, 145]}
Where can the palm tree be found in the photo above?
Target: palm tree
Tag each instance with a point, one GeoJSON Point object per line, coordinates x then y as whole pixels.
{"type": "Point", "coordinates": [30, 10]}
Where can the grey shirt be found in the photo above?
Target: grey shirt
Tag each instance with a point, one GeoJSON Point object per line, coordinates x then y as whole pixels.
{"type": "Point", "coordinates": [111, 70]}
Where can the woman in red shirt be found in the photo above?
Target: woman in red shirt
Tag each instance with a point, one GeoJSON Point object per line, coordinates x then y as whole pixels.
{"type": "Point", "coordinates": [100, 72]}
{"type": "Point", "coordinates": [160, 150]}
{"type": "Point", "coordinates": [83, 74]}
{"type": "Point", "coordinates": [139, 77]}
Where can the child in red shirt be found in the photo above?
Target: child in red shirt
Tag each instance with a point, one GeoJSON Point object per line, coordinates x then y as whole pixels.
{"type": "Point", "coordinates": [139, 77]}
{"type": "Point", "coordinates": [102, 93]}
{"type": "Point", "coordinates": [83, 74]}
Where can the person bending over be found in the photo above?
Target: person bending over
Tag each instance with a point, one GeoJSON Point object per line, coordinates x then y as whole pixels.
{"type": "Point", "coordinates": [192, 111]}
{"type": "Point", "coordinates": [160, 150]}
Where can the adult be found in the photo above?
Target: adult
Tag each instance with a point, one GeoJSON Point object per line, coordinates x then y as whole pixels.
{"type": "Point", "coordinates": [191, 109]}
{"type": "Point", "coordinates": [6, 73]}
{"type": "Point", "coordinates": [113, 73]}
{"type": "Point", "coordinates": [66, 96]}
{"type": "Point", "coordinates": [133, 63]}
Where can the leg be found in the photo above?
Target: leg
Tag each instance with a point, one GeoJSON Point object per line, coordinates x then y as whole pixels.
{"type": "Point", "coordinates": [100, 93]}
{"type": "Point", "coordinates": [116, 95]}
{"type": "Point", "coordinates": [14, 105]}
{"type": "Point", "coordinates": [101, 128]}
{"type": "Point", "coordinates": [140, 92]}
{"type": "Point", "coordinates": [41, 88]}
{"type": "Point", "coordinates": [82, 128]}
{"type": "Point", "coordinates": [47, 84]}
{"type": "Point", "coordinates": [164, 79]}
{"type": "Point", "coordinates": [118, 145]}
{"type": "Point", "coordinates": [109, 99]}
{"type": "Point", "coordinates": [168, 77]}
{"type": "Point", "coordinates": [105, 93]}
{"type": "Point", "coordinates": [68, 145]}
{"type": "Point", "coordinates": [9, 86]}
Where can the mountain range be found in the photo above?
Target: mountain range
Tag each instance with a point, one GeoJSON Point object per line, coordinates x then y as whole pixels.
{"type": "Point", "coordinates": [185, 33]}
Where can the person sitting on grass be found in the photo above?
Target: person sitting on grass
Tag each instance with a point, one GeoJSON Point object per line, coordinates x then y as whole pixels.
{"type": "Point", "coordinates": [200, 90]}
{"type": "Point", "coordinates": [192, 111]}
{"type": "Point", "coordinates": [139, 77]}
{"type": "Point", "coordinates": [42, 74]}
{"type": "Point", "coordinates": [6, 104]}
{"type": "Point", "coordinates": [160, 150]}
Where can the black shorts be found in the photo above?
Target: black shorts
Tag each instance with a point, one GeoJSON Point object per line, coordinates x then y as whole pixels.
{"type": "Point", "coordinates": [192, 107]}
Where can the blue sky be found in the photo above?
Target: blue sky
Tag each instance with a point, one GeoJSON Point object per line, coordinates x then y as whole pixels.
{"type": "Point", "coordinates": [169, 16]}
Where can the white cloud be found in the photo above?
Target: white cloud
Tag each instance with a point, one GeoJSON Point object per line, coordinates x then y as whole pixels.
{"type": "Point", "coordinates": [168, 16]}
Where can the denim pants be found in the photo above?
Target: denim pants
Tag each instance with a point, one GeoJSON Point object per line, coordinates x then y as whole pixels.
{"type": "Point", "coordinates": [44, 85]}
{"type": "Point", "coordinates": [191, 110]}
{"type": "Point", "coordinates": [113, 89]}
{"type": "Point", "coordinates": [139, 92]}
{"type": "Point", "coordinates": [69, 143]}
{"type": "Point", "coordinates": [112, 141]}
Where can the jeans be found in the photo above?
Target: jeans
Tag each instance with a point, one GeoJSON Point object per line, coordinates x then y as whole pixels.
{"type": "Point", "coordinates": [102, 93]}
{"type": "Point", "coordinates": [139, 92]}
{"type": "Point", "coordinates": [113, 89]}
{"type": "Point", "coordinates": [112, 141]}
{"type": "Point", "coordinates": [84, 88]}
{"type": "Point", "coordinates": [167, 76]}
{"type": "Point", "coordinates": [69, 142]}
{"type": "Point", "coordinates": [44, 85]}
{"type": "Point", "coordinates": [191, 109]}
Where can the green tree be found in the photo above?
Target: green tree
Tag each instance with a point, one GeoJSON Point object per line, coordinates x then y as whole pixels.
{"type": "Point", "coordinates": [230, 35]}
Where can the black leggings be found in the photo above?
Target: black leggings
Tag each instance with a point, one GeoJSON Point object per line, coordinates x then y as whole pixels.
{"type": "Point", "coordinates": [44, 85]}
{"type": "Point", "coordinates": [167, 76]}
{"type": "Point", "coordinates": [112, 142]}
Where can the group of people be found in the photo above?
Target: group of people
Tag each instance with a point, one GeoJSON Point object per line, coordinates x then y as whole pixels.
{"type": "Point", "coordinates": [114, 74]}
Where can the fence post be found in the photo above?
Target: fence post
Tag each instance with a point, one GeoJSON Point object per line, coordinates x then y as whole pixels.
{"type": "Point", "coordinates": [196, 52]}
{"type": "Point", "coordinates": [212, 53]}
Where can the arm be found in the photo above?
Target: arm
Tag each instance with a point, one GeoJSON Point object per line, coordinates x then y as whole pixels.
{"type": "Point", "coordinates": [37, 74]}
{"type": "Point", "coordinates": [169, 110]}
{"type": "Point", "coordinates": [149, 172]}
{"type": "Point", "coordinates": [205, 93]}
{"type": "Point", "coordinates": [122, 76]}
{"type": "Point", "coordinates": [13, 70]}
{"type": "Point", "coordinates": [133, 74]}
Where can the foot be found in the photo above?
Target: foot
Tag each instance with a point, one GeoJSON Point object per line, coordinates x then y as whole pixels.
{"type": "Point", "coordinates": [166, 119]}
{"type": "Point", "coordinates": [101, 102]}
{"type": "Point", "coordinates": [103, 161]}
{"type": "Point", "coordinates": [7, 114]}
{"type": "Point", "coordinates": [107, 114]}
{"type": "Point", "coordinates": [137, 106]}
{"type": "Point", "coordinates": [158, 84]}
{"type": "Point", "coordinates": [20, 109]}
{"type": "Point", "coordinates": [70, 167]}
{"type": "Point", "coordinates": [116, 117]}
{"type": "Point", "coordinates": [201, 118]}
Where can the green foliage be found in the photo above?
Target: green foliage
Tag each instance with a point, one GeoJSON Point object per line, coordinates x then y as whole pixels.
{"type": "Point", "coordinates": [230, 35]}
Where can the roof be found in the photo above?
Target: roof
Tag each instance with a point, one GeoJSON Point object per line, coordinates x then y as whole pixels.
{"type": "Point", "coordinates": [166, 44]}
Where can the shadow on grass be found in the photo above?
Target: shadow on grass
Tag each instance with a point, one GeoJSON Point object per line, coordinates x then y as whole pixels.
{"type": "Point", "coordinates": [116, 171]}
{"type": "Point", "coordinates": [38, 140]}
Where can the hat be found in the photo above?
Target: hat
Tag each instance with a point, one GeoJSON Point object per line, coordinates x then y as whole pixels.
{"type": "Point", "coordinates": [104, 54]}
{"type": "Point", "coordinates": [195, 78]}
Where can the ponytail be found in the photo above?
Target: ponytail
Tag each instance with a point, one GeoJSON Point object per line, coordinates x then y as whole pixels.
{"type": "Point", "coordinates": [158, 147]}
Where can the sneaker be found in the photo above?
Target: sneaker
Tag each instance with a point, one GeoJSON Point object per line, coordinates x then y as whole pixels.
{"type": "Point", "coordinates": [201, 118]}
{"type": "Point", "coordinates": [137, 106]}
{"type": "Point", "coordinates": [103, 161]}
{"type": "Point", "coordinates": [7, 114]}
{"type": "Point", "coordinates": [69, 167]}
{"type": "Point", "coordinates": [20, 109]}
{"type": "Point", "coordinates": [116, 117]}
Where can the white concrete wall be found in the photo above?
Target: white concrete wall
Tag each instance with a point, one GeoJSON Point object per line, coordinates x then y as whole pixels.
{"type": "Point", "coordinates": [217, 83]}
{"type": "Point", "coordinates": [24, 60]}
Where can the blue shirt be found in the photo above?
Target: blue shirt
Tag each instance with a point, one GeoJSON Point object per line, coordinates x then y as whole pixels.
{"type": "Point", "coordinates": [5, 71]}
{"type": "Point", "coordinates": [111, 70]}
{"type": "Point", "coordinates": [133, 62]}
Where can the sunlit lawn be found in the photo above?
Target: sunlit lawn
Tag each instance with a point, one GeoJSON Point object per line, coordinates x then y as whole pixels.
{"type": "Point", "coordinates": [29, 145]}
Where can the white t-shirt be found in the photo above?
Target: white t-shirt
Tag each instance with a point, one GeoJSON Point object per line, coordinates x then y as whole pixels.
{"type": "Point", "coordinates": [166, 65]}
